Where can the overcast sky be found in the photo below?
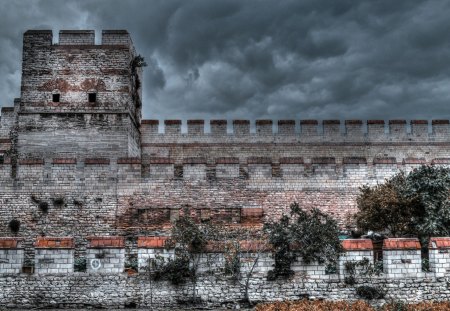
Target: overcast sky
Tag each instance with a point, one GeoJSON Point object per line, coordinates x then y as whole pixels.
{"type": "Point", "coordinates": [235, 59]}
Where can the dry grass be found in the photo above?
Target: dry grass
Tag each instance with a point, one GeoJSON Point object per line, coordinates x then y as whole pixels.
{"type": "Point", "coordinates": [305, 305]}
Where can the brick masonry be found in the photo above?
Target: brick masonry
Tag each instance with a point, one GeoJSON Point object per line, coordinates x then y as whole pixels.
{"type": "Point", "coordinates": [102, 171]}
{"type": "Point", "coordinates": [54, 255]}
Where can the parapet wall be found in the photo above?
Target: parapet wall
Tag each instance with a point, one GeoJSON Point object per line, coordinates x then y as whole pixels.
{"type": "Point", "coordinates": [106, 285]}
{"type": "Point", "coordinates": [77, 37]}
{"type": "Point", "coordinates": [304, 130]}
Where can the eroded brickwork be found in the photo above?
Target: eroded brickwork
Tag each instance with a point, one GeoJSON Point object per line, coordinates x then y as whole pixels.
{"type": "Point", "coordinates": [74, 167]}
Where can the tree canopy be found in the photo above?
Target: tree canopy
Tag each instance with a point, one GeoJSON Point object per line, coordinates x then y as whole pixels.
{"type": "Point", "coordinates": [408, 204]}
{"type": "Point", "coordinates": [311, 235]}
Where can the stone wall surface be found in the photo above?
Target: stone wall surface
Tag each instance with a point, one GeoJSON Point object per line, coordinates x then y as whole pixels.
{"type": "Point", "coordinates": [118, 291]}
{"type": "Point", "coordinates": [71, 166]}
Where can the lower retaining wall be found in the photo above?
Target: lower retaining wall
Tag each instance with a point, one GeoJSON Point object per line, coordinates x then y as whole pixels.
{"type": "Point", "coordinates": [121, 290]}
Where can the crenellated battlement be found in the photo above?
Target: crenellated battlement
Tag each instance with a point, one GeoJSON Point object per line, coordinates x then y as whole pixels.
{"type": "Point", "coordinates": [303, 130]}
{"type": "Point", "coordinates": [40, 38]}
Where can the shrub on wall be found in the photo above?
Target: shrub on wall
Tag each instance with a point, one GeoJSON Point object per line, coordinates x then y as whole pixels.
{"type": "Point", "coordinates": [414, 204]}
{"type": "Point", "coordinates": [311, 235]}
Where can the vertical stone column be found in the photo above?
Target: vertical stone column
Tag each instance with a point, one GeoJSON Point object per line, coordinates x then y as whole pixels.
{"type": "Point", "coordinates": [11, 255]}
{"type": "Point", "coordinates": [54, 255]}
{"type": "Point", "coordinates": [402, 258]}
{"type": "Point", "coordinates": [105, 254]}
{"type": "Point", "coordinates": [439, 254]}
{"type": "Point", "coordinates": [355, 250]}
{"type": "Point", "coordinates": [152, 248]}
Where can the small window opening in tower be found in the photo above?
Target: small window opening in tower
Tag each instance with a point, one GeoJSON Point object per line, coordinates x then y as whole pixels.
{"type": "Point", "coordinates": [92, 97]}
{"type": "Point", "coordinates": [56, 98]}
{"type": "Point", "coordinates": [2, 159]}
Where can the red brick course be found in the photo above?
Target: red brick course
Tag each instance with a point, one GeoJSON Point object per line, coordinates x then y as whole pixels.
{"type": "Point", "coordinates": [401, 243]}
{"type": "Point", "coordinates": [106, 242]}
{"type": "Point", "coordinates": [152, 241]}
{"type": "Point", "coordinates": [357, 244]}
{"type": "Point", "coordinates": [439, 243]}
{"type": "Point", "coordinates": [6, 243]}
{"type": "Point", "coordinates": [54, 242]}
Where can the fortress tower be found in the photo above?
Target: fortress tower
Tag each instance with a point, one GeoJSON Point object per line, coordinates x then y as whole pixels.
{"type": "Point", "coordinates": [78, 99]}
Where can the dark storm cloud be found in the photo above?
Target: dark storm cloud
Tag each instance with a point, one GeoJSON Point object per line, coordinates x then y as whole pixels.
{"type": "Point", "coordinates": [264, 59]}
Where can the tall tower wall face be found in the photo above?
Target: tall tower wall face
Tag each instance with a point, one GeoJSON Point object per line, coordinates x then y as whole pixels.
{"type": "Point", "coordinates": [78, 99]}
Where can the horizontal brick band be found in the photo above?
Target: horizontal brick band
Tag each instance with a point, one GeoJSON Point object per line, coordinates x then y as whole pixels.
{"type": "Point", "coordinates": [419, 121]}
{"type": "Point", "coordinates": [194, 161]}
{"type": "Point", "coordinates": [354, 122]}
{"type": "Point", "coordinates": [7, 243]}
{"type": "Point", "coordinates": [354, 160]}
{"type": "Point", "coordinates": [172, 122]}
{"type": "Point", "coordinates": [31, 162]}
{"type": "Point", "coordinates": [357, 244]}
{"type": "Point", "coordinates": [150, 122]}
{"type": "Point", "coordinates": [152, 241]}
{"type": "Point", "coordinates": [375, 121]}
{"type": "Point", "coordinates": [64, 161]}
{"type": "Point", "coordinates": [161, 161]}
{"type": "Point", "coordinates": [390, 160]}
{"type": "Point", "coordinates": [93, 161]}
{"type": "Point", "coordinates": [291, 160]}
{"type": "Point", "coordinates": [440, 122]}
{"type": "Point", "coordinates": [7, 109]}
{"type": "Point", "coordinates": [329, 122]}
{"type": "Point", "coordinates": [259, 160]}
{"type": "Point", "coordinates": [286, 122]}
{"type": "Point", "coordinates": [264, 122]}
{"type": "Point", "coordinates": [439, 243]}
{"type": "Point", "coordinates": [54, 242]}
{"type": "Point", "coordinates": [129, 161]}
{"type": "Point", "coordinates": [193, 122]}
{"type": "Point", "coordinates": [401, 243]}
{"type": "Point", "coordinates": [5, 141]}
{"type": "Point", "coordinates": [32, 32]}
{"type": "Point", "coordinates": [218, 122]}
{"type": "Point", "coordinates": [441, 161]}
{"type": "Point", "coordinates": [414, 161]}
{"type": "Point", "coordinates": [76, 31]}
{"type": "Point", "coordinates": [241, 122]}
{"type": "Point", "coordinates": [115, 31]}
{"type": "Point", "coordinates": [397, 121]}
{"type": "Point", "coordinates": [252, 212]}
{"type": "Point", "coordinates": [106, 242]}
{"type": "Point", "coordinates": [323, 160]}
{"type": "Point", "coordinates": [227, 160]}
{"type": "Point", "coordinates": [309, 122]}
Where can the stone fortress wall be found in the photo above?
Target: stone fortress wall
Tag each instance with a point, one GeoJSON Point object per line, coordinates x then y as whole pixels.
{"type": "Point", "coordinates": [103, 171]}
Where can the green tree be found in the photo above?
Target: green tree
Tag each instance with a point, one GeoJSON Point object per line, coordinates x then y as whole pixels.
{"type": "Point", "coordinates": [414, 204]}
{"type": "Point", "coordinates": [190, 240]}
{"type": "Point", "coordinates": [311, 235]}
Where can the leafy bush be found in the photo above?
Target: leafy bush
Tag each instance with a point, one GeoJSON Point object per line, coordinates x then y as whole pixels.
{"type": "Point", "coordinates": [370, 292]}
{"type": "Point", "coordinates": [132, 263]}
{"type": "Point", "coordinates": [14, 225]}
{"type": "Point", "coordinates": [311, 235]}
{"type": "Point", "coordinates": [174, 270]}
{"type": "Point", "coordinates": [80, 264]}
{"type": "Point", "coordinates": [415, 204]}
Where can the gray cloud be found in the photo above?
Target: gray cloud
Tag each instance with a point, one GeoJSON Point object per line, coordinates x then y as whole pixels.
{"type": "Point", "coordinates": [264, 59]}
